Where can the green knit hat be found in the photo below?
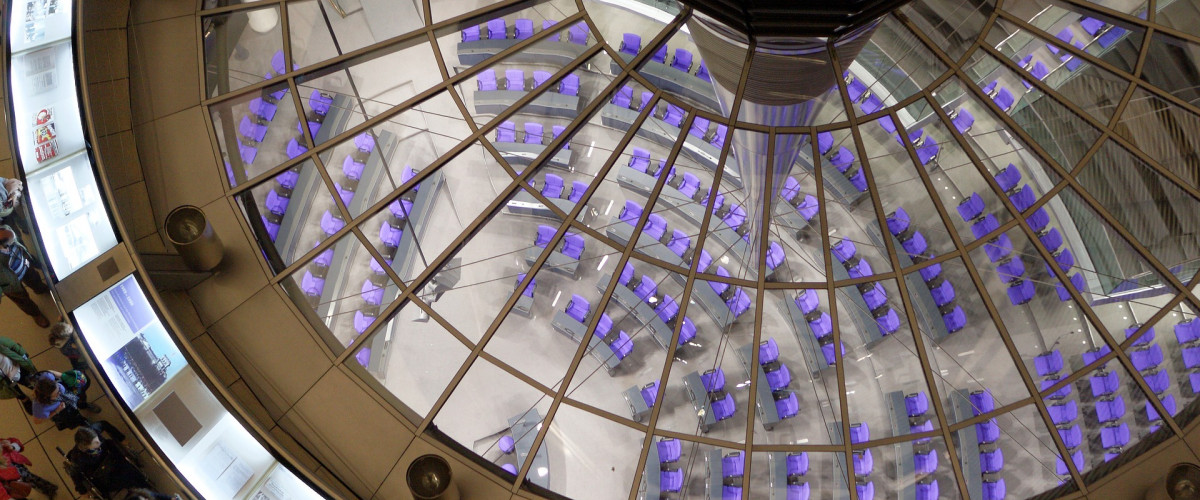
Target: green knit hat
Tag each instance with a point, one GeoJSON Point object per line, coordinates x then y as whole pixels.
{"type": "Point", "coordinates": [73, 378]}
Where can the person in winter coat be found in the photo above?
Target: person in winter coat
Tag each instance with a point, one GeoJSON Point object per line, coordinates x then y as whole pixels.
{"type": "Point", "coordinates": [11, 458]}
{"type": "Point", "coordinates": [18, 270]}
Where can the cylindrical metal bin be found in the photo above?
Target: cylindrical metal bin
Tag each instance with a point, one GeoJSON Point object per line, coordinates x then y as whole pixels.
{"type": "Point", "coordinates": [429, 478]}
{"type": "Point", "coordinates": [1182, 483]}
{"type": "Point", "coordinates": [188, 229]}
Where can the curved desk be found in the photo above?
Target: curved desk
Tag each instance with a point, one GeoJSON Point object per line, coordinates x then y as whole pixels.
{"type": "Point", "coordinates": [675, 81]}
{"type": "Point", "coordinates": [665, 135]}
{"type": "Point", "coordinates": [550, 103]}
{"type": "Point", "coordinates": [547, 51]}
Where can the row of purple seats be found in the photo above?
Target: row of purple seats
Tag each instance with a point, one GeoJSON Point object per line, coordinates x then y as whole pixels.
{"type": "Point", "coordinates": [277, 200]}
{"type": "Point", "coordinates": [991, 457]}
{"type": "Point", "coordinates": [1023, 198]}
{"type": "Point", "coordinates": [843, 160]}
{"type": "Point", "coordinates": [1000, 95]}
{"type": "Point", "coordinates": [353, 167]}
{"type": "Point", "coordinates": [498, 29]}
{"type": "Point", "coordinates": [624, 98]}
{"type": "Point", "coordinates": [807, 205]}
{"type": "Point", "coordinates": [721, 401]}
{"type": "Point", "coordinates": [534, 133]}
{"type": "Point", "coordinates": [873, 293]}
{"type": "Point", "coordinates": [820, 323]}
{"type": "Point", "coordinates": [620, 344]}
{"type": "Point", "coordinates": [667, 310]}
{"type": "Point", "coordinates": [944, 297]}
{"type": "Point", "coordinates": [572, 244]}
{"type": "Point", "coordinates": [552, 187]}
{"type": "Point", "coordinates": [998, 249]}
{"type": "Point", "coordinates": [1036, 68]}
{"type": "Point", "coordinates": [1187, 333]}
{"type": "Point", "coordinates": [1069, 60]}
{"type": "Point", "coordinates": [856, 88]}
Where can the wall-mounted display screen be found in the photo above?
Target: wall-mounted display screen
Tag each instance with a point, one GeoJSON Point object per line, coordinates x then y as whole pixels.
{"type": "Point", "coordinates": [62, 187]}
{"type": "Point", "coordinates": [129, 341]}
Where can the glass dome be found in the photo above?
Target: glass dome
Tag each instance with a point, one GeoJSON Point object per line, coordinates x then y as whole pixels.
{"type": "Point", "coordinates": [922, 282]}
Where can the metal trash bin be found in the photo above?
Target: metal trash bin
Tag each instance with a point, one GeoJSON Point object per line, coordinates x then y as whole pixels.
{"type": "Point", "coordinates": [1181, 483]}
{"type": "Point", "coordinates": [429, 478]}
{"type": "Point", "coordinates": [188, 229]}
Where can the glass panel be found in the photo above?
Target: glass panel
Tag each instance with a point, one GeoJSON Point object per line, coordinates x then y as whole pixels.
{"type": "Point", "coordinates": [782, 474]}
{"type": "Point", "coordinates": [321, 30]}
{"type": "Point", "coordinates": [398, 353]}
{"type": "Point", "coordinates": [855, 242]}
{"type": "Point", "coordinates": [676, 66]}
{"type": "Point", "coordinates": [253, 132]}
{"type": "Point", "coordinates": [912, 469]}
{"type": "Point", "coordinates": [736, 225]}
{"type": "Point", "coordinates": [343, 289]}
{"type": "Point", "coordinates": [792, 363]}
{"type": "Point", "coordinates": [295, 213]}
{"type": "Point", "coordinates": [894, 65]}
{"type": "Point", "coordinates": [256, 54]}
{"type": "Point", "coordinates": [1030, 460]}
{"type": "Point", "coordinates": [562, 321]}
{"type": "Point", "coordinates": [1153, 209]}
{"type": "Point", "coordinates": [1147, 123]}
{"type": "Point", "coordinates": [615, 444]}
{"type": "Point", "coordinates": [795, 223]}
{"type": "Point", "coordinates": [953, 25]}
{"type": "Point", "coordinates": [884, 381]}
{"type": "Point", "coordinates": [1173, 58]}
{"type": "Point", "coordinates": [1116, 413]}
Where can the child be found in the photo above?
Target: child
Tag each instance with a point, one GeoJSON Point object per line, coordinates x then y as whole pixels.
{"type": "Point", "coordinates": [11, 457]}
{"type": "Point", "coordinates": [62, 337]}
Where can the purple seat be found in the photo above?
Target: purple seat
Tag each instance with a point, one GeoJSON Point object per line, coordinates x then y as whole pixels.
{"type": "Point", "coordinates": [569, 85]}
{"type": "Point", "coordinates": [660, 55]}
{"type": "Point", "coordinates": [857, 89]}
{"type": "Point", "coordinates": [778, 379]}
{"type": "Point", "coordinates": [1091, 25]}
{"type": "Point", "coordinates": [1004, 99]}
{"type": "Point", "coordinates": [705, 261]}
{"type": "Point", "coordinates": [1052, 239]}
{"type": "Point", "coordinates": [788, 406]}
{"type": "Point", "coordinates": [994, 489]}
{"type": "Point", "coordinates": [640, 160]}
{"type": "Point", "coordinates": [544, 235]}
{"type": "Point", "coordinates": [1065, 413]}
{"type": "Point", "coordinates": [626, 275]}
{"type": "Point", "coordinates": [824, 142]}
{"type": "Point", "coordinates": [859, 269]}
{"type": "Point", "coordinates": [871, 104]}
{"type": "Point", "coordinates": [874, 295]}
{"type": "Point", "coordinates": [324, 259]}
{"type": "Point", "coordinates": [928, 151]}
{"type": "Point", "coordinates": [486, 80]}
{"type": "Point", "coordinates": [842, 159]}
{"type": "Point", "coordinates": [1038, 220]}
{"type": "Point", "coordinates": [667, 309]}
{"type": "Point", "coordinates": [1144, 339]}
{"type": "Point", "coordinates": [553, 186]}
{"type": "Point", "coordinates": [1008, 178]}
{"type": "Point", "coordinates": [699, 128]}
{"type": "Point", "coordinates": [497, 29]}
{"type": "Point", "coordinates": [346, 195]}
{"type": "Point", "coordinates": [925, 463]}
{"type": "Point", "coordinates": [389, 235]}
{"type": "Point", "coordinates": [930, 273]}
{"type": "Point", "coordinates": [775, 255]}
{"type": "Point", "coordinates": [674, 115]}
{"type": "Point", "coordinates": [943, 293]}
{"type": "Point", "coordinates": [1187, 332]}
{"type": "Point", "coordinates": [578, 33]}
{"type": "Point", "coordinates": [1091, 355]}
{"type": "Point", "coordinates": [1113, 437]}
{"type": "Point", "coordinates": [981, 227]}
{"type": "Point", "coordinates": [646, 97]}
{"type": "Point", "coordinates": [926, 426]}
{"type": "Point", "coordinates": [866, 491]}
{"type": "Point", "coordinates": [372, 293]}
{"type": "Point", "coordinates": [1076, 282]}
{"type": "Point", "coordinates": [1157, 380]}
{"type": "Point", "coordinates": [687, 331]}
{"type": "Point", "coordinates": [573, 245]}
{"type": "Point", "coordinates": [506, 132]}
{"type": "Point", "coordinates": [682, 60]}
{"type": "Point", "coordinates": [523, 28]}
{"type": "Point", "coordinates": [768, 351]}
{"type": "Point", "coordinates": [623, 97]}
{"type": "Point", "coordinates": [1048, 363]}
{"type": "Point", "coordinates": [680, 243]}
{"type": "Point", "coordinates": [797, 464]}
{"type": "Point", "coordinates": [822, 325]}
{"type": "Point", "coordinates": [739, 303]}
{"type": "Point", "coordinates": [690, 185]}
{"type": "Point", "coordinates": [1010, 269]}
{"type": "Point", "coordinates": [1060, 393]}
{"type": "Point", "coordinates": [656, 227]}
{"type": "Point", "coordinates": [1111, 36]}
{"type": "Point", "coordinates": [844, 250]}
{"type": "Point", "coordinates": [860, 433]}
{"type": "Point", "coordinates": [864, 463]}
{"type": "Point", "coordinates": [807, 301]}
{"type": "Point", "coordinates": [987, 432]}
{"type": "Point", "coordinates": [578, 308]}
{"type": "Point", "coordinates": [1023, 198]}
{"type": "Point", "coordinates": [718, 140]}
{"type": "Point", "coordinates": [263, 109]}
{"type": "Point", "coordinates": [533, 133]}
{"type": "Point", "coordinates": [400, 208]}
{"type": "Point", "coordinates": [916, 404]}
{"type": "Point", "coordinates": [312, 285]}
{"type": "Point", "coordinates": [557, 130]}
{"type": "Point", "coordinates": [1168, 404]}
{"type": "Point", "coordinates": [888, 322]}
{"type": "Point", "coordinates": [294, 148]}
{"type": "Point", "coordinates": [735, 217]}
{"type": "Point", "coordinates": [331, 224]}
{"type": "Point", "coordinates": [981, 402]}
{"type": "Point", "coordinates": [1039, 71]}
{"type": "Point", "coordinates": [470, 34]}
{"type": "Point", "coordinates": [971, 208]}
{"type": "Point", "coordinates": [963, 121]}
{"type": "Point", "coordinates": [622, 347]}
{"type": "Point", "coordinates": [1104, 384]}
{"type": "Point", "coordinates": [829, 352]}
{"type": "Point", "coordinates": [915, 245]}
{"type": "Point", "coordinates": [808, 208]}
{"type": "Point", "coordinates": [955, 320]}
{"type": "Point", "coordinates": [362, 321]}
{"type": "Point", "coordinates": [670, 480]}
{"type": "Point", "coordinates": [1020, 292]}
{"type": "Point", "coordinates": [713, 380]}
{"type": "Point", "coordinates": [528, 292]}
{"type": "Point", "coordinates": [250, 130]}
{"type": "Point", "coordinates": [998, 248]}
{"type": "Point", "coordinates": [546, 25]}
{"type": "Point", "coordinates": [702, 73]}
{"type": "Point", "coordinates": [577, 190]}
{"type": "Point", "coordinates": [1060, 467]}
{"type": "Point", "coordinates": [276, 204]}
{"type": "Point", "coordinates": [646, 288]}
{"type": "Point", "coordinates": [898, 221]}
{"type": "Point", "coordinates": [1108, 410]}
{"type": "Point", "coordinates": [669, 450]}
{"type": "Point", "coordinates": [514, 79]}
{"type": "Point", "coordinates": [649, 395]}
{"type": "Point", "coordinates": [540, 77]}
{"type": "Point", "coordinates": [319, 102]}
{"type": "Point", "coordinates": [352, 168]}
{"type": "Point", "coordinates": [631, 43]}
{"type": "Point", "coordinates": [1146, 359]}
{"type": "Point", "coordinates": [791, 188]}
{"type": "Point", "coordinates": [990, 462]}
